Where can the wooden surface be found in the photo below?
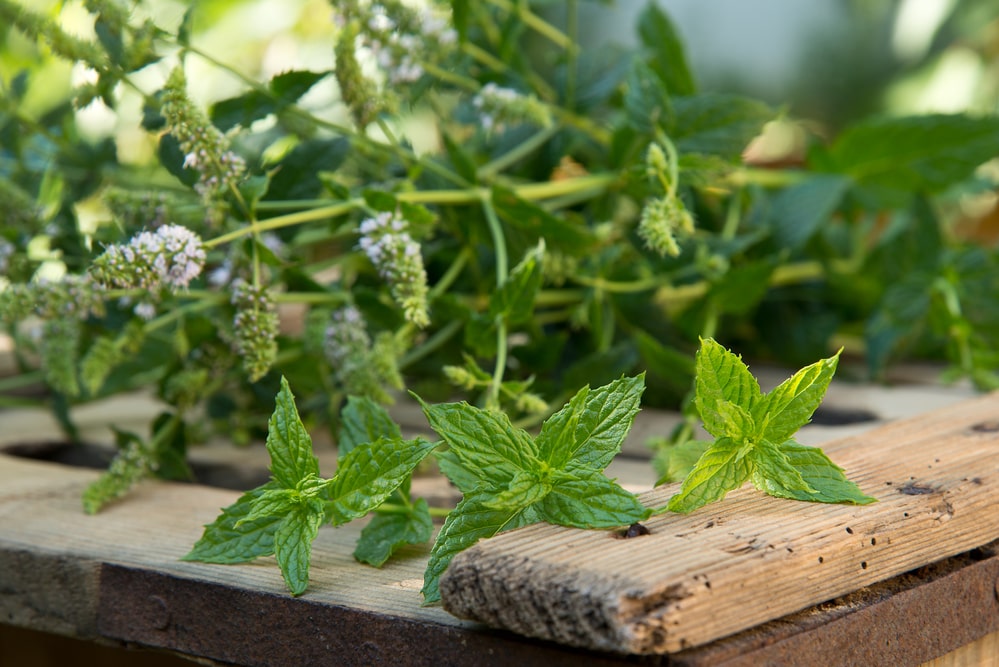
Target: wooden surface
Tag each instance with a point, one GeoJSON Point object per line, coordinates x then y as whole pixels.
{"type": "Point", "coordinates": [116, 577]}
{"type": "Point", "coordinates": [751, 558]}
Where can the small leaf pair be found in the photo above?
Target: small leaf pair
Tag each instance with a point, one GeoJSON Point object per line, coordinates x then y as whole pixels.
{"type": "Point", "coordinates": [511, 479]}
{"type": "Point", "coordinates": [282, 517]}
{"type": "Point", "coordinates": [752, 432]}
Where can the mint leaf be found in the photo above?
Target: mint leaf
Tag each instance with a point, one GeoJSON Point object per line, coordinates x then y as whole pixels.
{"type": "Point", "coordinates": [592, 426]}
{"type": "Point", "coordinates": [774, 465]}
{"type": "Point", "coordinates": [465, 479]}
{"type": "Point", "coordinates": [364, 420]}
{"type": "Point", "coordinates": [668, 56]}
{"type": "Point", "coordinates": [470, 521]}
{"type": "Point", "coordinates": [827, 480]}
{"type": "Point", "coordinates": [675, 461]}
{"type": "Point", "coordinates": [737, 422]}
{"type": "Point", "coordinates": [288, 443]}
{"type": "Point", "coordinates": [590, 500]}
{"type": "Point", "coordinates": [273, 502]}
{"type": "Point", "coordinates": [721, 376]}
{"type": "Point", "coordinates": [293, 545]}
{"type": "Point", "coordinates": [386, 533]}
{"type": "Point", "coordinates": [233, 539]}
{"type": "Point", "coordinates": [722, 468]}
{"type": "Point", "coordinates": [514, 300]}
{"type": "Point", "coordinates": [483, 440]}
{"type": "Point", "coordinates": [790, 405]}
{"type": "Point", "coordinates": [524, 489]}
{"type": "Point", "coordinates": [370, 473]}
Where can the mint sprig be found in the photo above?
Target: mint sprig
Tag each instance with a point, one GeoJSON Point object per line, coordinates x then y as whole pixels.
{"type": "Point", "coordinates": [511, 479]}
{"type": "Point", "coordinates": [282, 517]}
{"type": "Point", "coordinates": [752, 432]}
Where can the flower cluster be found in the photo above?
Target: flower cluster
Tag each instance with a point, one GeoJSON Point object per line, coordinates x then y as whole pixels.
{"type": "Point", "coordinates": [255, 329]}
{"type": "Point", "coordinates": [205, 148]}
{"type": "Point", "coordinates": [137, 209]}
{"type": "Point", "coordinates": [398, 36]}
{"type": "Point", "coordinates": [661, 219]}
{"type": "Point", "coordinates": [498, 106]}
{"type": "Point", "coordinates": [171, 257]}
{"type": "Point", "coordinates": [359, 367]}
{"type": "Point", "coordinates": [386, 241]}
{"type": "Point", "coordinates": [71, 298]}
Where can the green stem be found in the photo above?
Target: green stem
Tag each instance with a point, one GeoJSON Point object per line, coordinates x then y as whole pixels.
{"type": "Point", "coordinates": [431, 344]}
{"type": "Point", "coordinates": [502, 272]}
{"type": "Point", "coordinates": [536, 23]}
{"type": "Point", "coordinates": [522, 150]}
{"type": "Point", "coordinates": [288, 220]}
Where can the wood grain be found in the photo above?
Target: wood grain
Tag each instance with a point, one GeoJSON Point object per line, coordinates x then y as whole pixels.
{"type": "Point", "coordinates": [751, 558]}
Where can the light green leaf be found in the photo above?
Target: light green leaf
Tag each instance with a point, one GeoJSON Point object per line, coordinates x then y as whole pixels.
{"type": "Point", "coordinates": [591, 428]}
{"type": "Point", "coordinates": [364, 420]}
{"type": "Point", "coordinates": [293, 545]}
{"type": "Point", "coordinates": [722, 468]}
{"type": "Point", "coordinates": [771, 463]}
{"type": "Point", "coordinates": [386, 533]}
{"type": "Point", "coordinates": [825, 477]}
{"type": "Point", "coordinates": [288, 442]}
{"type": "Point", "coordinates": [588, 499]}
{"type": "Point", "coordinates": [463, 478]}
{"type": "Point", "coordinates": [467, 523]}
{"type": "Point", "coordinates": [674, 462]}
{"type": "Point", "coordinates": [485, 442]}
{"type": "Point", "coordinates": [721, 376]}
{"type": "Point", "coordinates": [791, 404]}
{"type": "Point", "coordinates": [370, 473]}
{"type": "Point", "coordinates": [524, 489]}
{"type": "Point", "coordinates": [272, 502]}
{"type": "Point", "coordinates": [514, 300]}
{"type": "Point", "coordinates": [737, 421]}
{"type": "Point", "coordinates": [233, 539]}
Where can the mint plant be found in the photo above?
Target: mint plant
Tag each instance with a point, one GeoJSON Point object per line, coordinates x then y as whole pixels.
{"type": "Point", "coordinates": [509, 478]}
{"type": "Point", "coordinates": [282, 517]}
{"type": "Point", "coordinates": [753, 435]}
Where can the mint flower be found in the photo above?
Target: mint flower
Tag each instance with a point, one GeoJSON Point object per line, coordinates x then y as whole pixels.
{"type": "Point", "coordinates": [498, 106]}
{"type": "Point", "coordinates": [386, 241]}
{"type": "Point", "coordinates": [171, 257]}
{"type": "Point", "coordinates": [206, 149]}
{"type": "Point", "coordinates": [661, 219]}
{"type": "Point", "coordinates": [361, 368]}
{"type": "Point", "coordinates": [255, 329]}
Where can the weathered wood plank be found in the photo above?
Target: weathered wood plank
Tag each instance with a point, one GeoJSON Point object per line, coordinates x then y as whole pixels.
{"type": "Point", "coordinates": [736, 564]}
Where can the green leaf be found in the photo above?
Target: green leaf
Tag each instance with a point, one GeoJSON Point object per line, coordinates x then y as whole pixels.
{"type": "Point", "coordinates": [463, 478]}
{"type": "Point", "coordinates": [590, 429]}
{"type": "Point", "coordinates": [293, 546]}
{"type": "Point", "coordinates": [790, 405]}
{"type": "Point", "coordinates": [273, 502]}
{"type": "Point", "coordinates": [661, 38]}
{"type": "Point", "coordinates": [298, 177]}
{"type": "Point", "coordinates": [773, 464]}
{"type": "Point", "coordinates": [721, 376]}
{"type": "Point", "coordinates": [484, 442]}
{"type": "Point", "coordinates": [646, 104]}
{"type": "Point", "coordinates": [722, 468]}
{"type": "Point", "coordinates": [674, 462]}
{"type": "Point", "coordinates": [184, 30]}
{"type": "Point", "coordinates": [916, 153]}
{"type": "Point", "coordinates": [362, 421]}
{"type": "Point", "coordinates": [742, 287]}
{"type": "Point", "coordinates": [801, 209]}
{"type": "Point", "coordinates": [466, 524]}
{"type": "Point", "coordinates": [387, 533]}
{"type": "Point", "coordinates": [460, 159]}
{"type": "Point", "coordinates": [369, 474]}
{"type": "Point", "coordinates": [738, 423]}
{"type": "Point", "coordinates": [289, 86]}
{"type": "Point", "coordinates": [717, 124]}
{"type": "Point", "coordinates": [514, 300]}
{"type": "Point", "coordinates": [242, 110]}
{"type": "Point", "coordinates": [288, 443]}
{"type": "Point", "coordinates": [558, 233]}
{"type": "Point", "coordinates": [524, 489]}
{"type": "Point", "coordinates": [821, 474]}
{"type": "Point", "coordinates": [225, 542]}
{"type": "Point", "coordinates": [589, 500]}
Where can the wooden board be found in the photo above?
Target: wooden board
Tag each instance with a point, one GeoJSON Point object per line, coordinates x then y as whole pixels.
{"type": "Point", "coordinates": [751, 558]}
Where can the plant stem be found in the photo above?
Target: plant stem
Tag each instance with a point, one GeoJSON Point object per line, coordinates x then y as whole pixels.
{"type": "Point", "coordinates": [522, 150]}
{"type": "Point", "coordinates": [536, 23]}
{"type": "Point", "coordinates": [502, 272]}
{"type": "Point", "coordinates": [431, 344]}
{"type": "Point", "coordinates": [288, 220]}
